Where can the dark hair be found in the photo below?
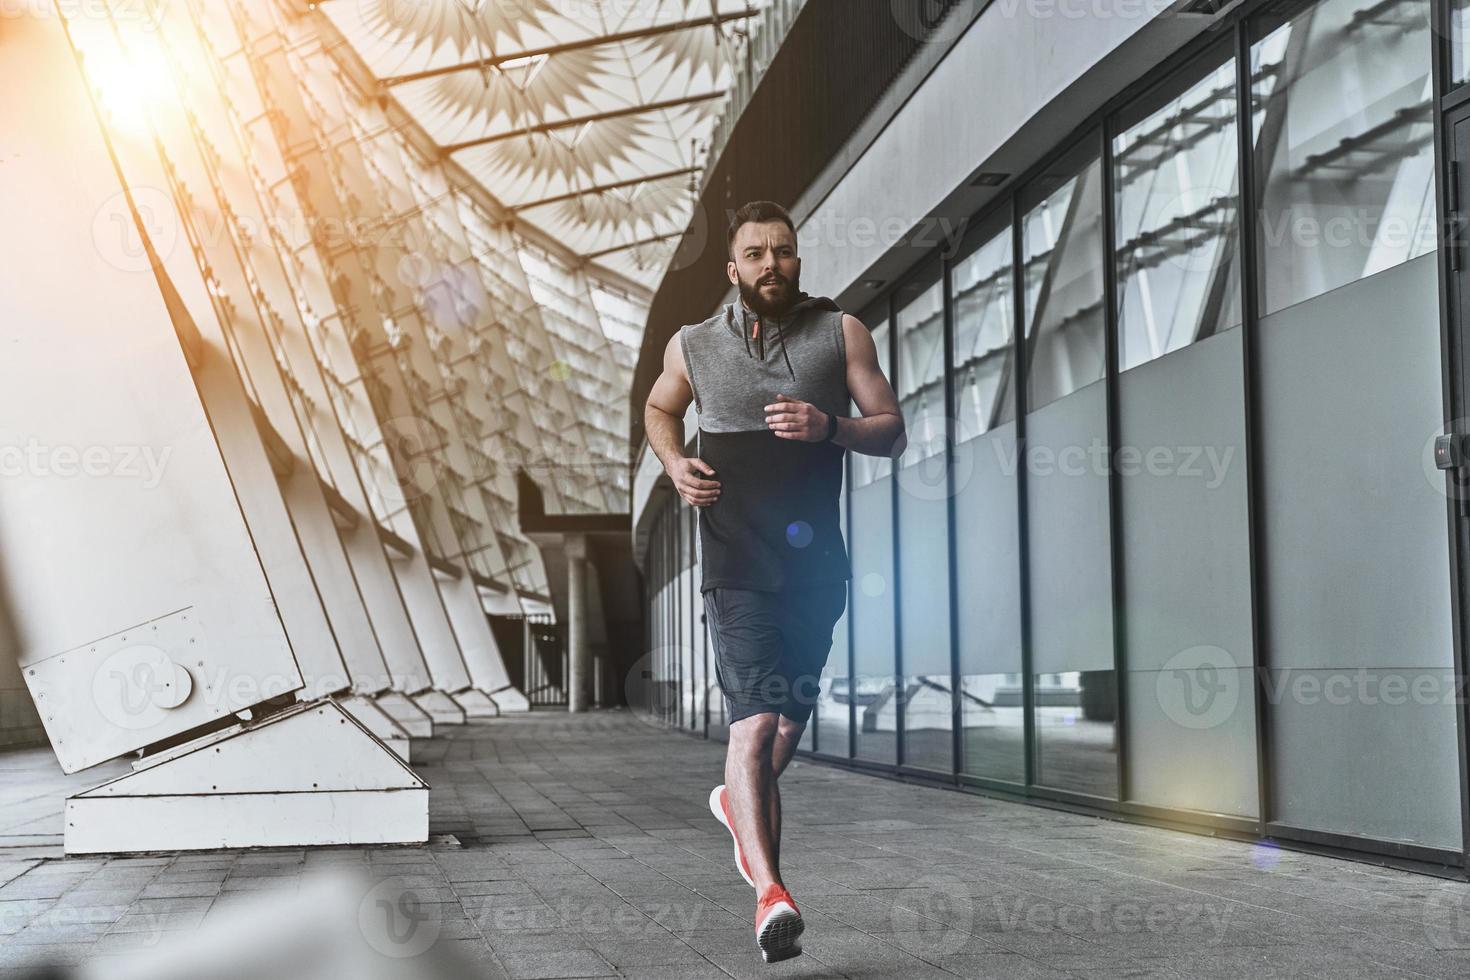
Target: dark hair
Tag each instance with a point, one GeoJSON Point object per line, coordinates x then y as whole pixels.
{"type": "Point", "coordinates": [757, 212]}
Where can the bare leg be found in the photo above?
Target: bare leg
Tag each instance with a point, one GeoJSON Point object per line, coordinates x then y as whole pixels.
{"type": "Point", "coordinates": [750, 783]}
{"type": "Point", "coordinates": [783, 747]}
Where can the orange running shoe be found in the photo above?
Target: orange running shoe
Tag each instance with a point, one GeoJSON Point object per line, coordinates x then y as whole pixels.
{"type": "Point", "coordinates": [719, 805]}
{"type": "Point", "coordinates": [777, 924]}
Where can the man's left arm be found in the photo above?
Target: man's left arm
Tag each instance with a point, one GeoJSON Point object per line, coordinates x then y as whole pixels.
{"type": "Point", "coordinates": [880, 430]}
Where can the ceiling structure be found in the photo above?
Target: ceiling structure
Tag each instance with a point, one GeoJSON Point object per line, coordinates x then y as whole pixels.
{"type": "Point", "coordinates": [590, 119]}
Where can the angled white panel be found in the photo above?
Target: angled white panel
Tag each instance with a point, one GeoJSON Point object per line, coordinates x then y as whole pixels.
{"type": "Point", "coordinates": [230, 412]}
{"type": "Point", "coordinates": [510, 699]}
{"type": "Point", "coordinates": [408, 715]}
{"type": "Point", "coordinates": [440, 707]}
{"type": "Point", "coordinates": [206, 822]}
{"type": "Point", "coordinates": [151, 525]}
{"type": "Point", "coordinates": [372, 717]}
{"type": "Point", "coordinates": [311, 747]}
{"type": "Point", "coordinates": [476, 704]}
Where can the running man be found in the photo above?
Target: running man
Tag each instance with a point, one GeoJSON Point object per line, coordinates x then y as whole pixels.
{"type": "Point", "coordinates": [771, 377]}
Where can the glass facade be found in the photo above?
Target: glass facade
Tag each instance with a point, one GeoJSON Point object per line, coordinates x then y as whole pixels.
{"type": "Point", "coordinates": [987, 585]}
{"type": "Point", "coordinates": [1116, 597]}
{"type": "Point", "coordinates": [1344, 145]}
{"type": "Point", "coordinates": [923, 526]}
{"type": "Point", "coordinates": [875, 685]}
{"type": "Point", "coordinates": [1176, 237]}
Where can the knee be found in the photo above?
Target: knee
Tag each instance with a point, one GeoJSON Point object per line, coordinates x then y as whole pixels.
{"type": "Point", "coordinates": [789, 729]}
{"type": "Point", "coordinates": [753, 736]}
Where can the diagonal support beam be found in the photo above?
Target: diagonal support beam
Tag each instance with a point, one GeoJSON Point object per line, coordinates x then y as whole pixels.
{"type": "Point", "coordinates": [606, 187]}
{"type": "Point", "coordinates": [591, 42]}
{"type": "Point", "coordinates": [632, 110]}
{"type": "Point", "coordinates": [627, 245]}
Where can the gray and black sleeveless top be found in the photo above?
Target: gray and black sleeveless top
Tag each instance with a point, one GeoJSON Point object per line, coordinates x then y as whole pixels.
{"type": "Point", "coordinates": [776, 523]}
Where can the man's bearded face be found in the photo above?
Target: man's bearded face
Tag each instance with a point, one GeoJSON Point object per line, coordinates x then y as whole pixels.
{"type": "Point", "coordinates": [766, 268]}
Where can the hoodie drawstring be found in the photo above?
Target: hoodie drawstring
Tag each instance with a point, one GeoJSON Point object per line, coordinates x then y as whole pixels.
{"type": "Point", "coordinates": [781, 336]}
{"type": "Point", "coordinates": [760, 340]}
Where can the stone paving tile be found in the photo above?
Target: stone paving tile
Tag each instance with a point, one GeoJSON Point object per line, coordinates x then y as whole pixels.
{"type": "Point", "coordinates": [571, 846]}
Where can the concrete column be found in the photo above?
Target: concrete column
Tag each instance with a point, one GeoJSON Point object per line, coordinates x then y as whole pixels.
{"type": "Point", "coordinates": [578, 653]}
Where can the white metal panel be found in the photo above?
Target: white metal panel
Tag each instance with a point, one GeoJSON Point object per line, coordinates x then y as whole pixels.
{"type": "Point", "coordinates": [472, 629]}
{"type": "Point", "coordinates": [510, 699]}
{"type": "Point", "coordinates": [372, 717]}
{"type": "Point", "coordinates": [99, 825]}
{"type": "Point", "coordinates": [440, 707]}
{"type": "Point", "coordinates": [151, 525]}
{"type": "Point", "coordinates": [409, 716]}
{"type": "Point", "coordinates": [218, 382]}
{"type": "Point", "coordinates": [476, 704]}
{"type": "Point", "coordinates": [431, 622]}
{"type": "Point", "coordinates": [316, 747]}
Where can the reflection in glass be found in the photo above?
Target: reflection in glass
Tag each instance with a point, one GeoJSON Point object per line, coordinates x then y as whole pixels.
{"type": "Point", "coordinates": [1076, 741]}
{"type": "Point", "coordinates": [1344, 145]}
{"type": "Point", "coordinates": [1177, 244]}
{"type": "Point", "coordinates": [873, 687]}
{"type": "Point", "coordinates": [923, 527]}
{"type": "Point", "coordinates": [832, 719]}
{"type": "Point", "coordinates": [984, 315]}
{"type": "Point", "coordinates": [987, 563]}
{"type": "Point", "coordinates": [920, 381]}
{"type": "Point", "coordinates": [866, 469]}
{"type": "Point", "coordinates": [1459, 41]}
{"type": "Point", "coordinates": [1061, 248]}
{"type": "Point", "coordinates": [993, 713]}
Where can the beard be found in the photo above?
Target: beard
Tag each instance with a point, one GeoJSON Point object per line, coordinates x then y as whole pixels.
{"type": "Point", "coordinates": [757, 301]}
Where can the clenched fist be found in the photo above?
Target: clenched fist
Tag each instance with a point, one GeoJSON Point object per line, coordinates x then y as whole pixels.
{"type": "Point", "coordinates": [688, 474]}
{"type": "Point", "coordinates": [792, 419]}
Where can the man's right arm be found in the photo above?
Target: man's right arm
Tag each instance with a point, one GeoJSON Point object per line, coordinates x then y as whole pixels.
{"type": "Point", "coordinates": [663, 425]}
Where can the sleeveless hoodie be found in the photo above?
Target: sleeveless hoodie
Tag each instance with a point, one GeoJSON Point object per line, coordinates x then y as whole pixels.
{"type": "Point", "coordinates": [776, 523]}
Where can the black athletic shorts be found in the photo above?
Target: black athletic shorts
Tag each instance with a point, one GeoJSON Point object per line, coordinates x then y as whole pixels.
{"type": "Point", "coordinates": [770, 647]}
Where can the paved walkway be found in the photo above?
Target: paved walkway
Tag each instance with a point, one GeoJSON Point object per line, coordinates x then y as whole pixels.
{"type": "Point", "coordinates": [580, 846]}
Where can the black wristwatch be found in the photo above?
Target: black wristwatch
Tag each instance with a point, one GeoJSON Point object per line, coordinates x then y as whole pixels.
{"type": "Point", "coordinates": [831, 427]}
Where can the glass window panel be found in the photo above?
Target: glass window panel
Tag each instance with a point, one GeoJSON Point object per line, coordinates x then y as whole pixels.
{"type": "Point", "coordinates": [923, 527]}
{"type": "Point", "coordinates": [1061, 248]}
{"type": "Point", "coordinates": [984, 318]}
{"type": "Point", "coordinates": [920, 381]}
{"type": "Point", "coordinates": [1343, 138]}
{"type": "Point", "coordinates": [994, 723]}
{"type": "Point", "coordinates": [1175, 179]}
{"type": "Point", "coordinates": [866, 469]}
{"type": "Point", "coordinates": [1076, 742]}
{"type": "Point", "coordinates": [1459, 41]}
{"type": "Point", "coordinates": [832, 718]}
{"type": "Point", "coordinates": [986, 531]}
{"type": "Point", "coordinates": [874, 686]}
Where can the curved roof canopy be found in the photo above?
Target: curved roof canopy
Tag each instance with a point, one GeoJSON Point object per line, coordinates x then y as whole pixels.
{"type": "Point", "coordinates": [589, 118]}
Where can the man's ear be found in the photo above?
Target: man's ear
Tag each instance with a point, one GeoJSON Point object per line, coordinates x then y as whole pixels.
{"type": "Point", "coordinates": [731, 273]}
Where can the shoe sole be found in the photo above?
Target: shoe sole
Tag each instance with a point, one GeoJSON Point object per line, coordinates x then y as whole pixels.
{"type": "Point", "coordinates": [778, 935]}
{"type": "Point", "coordinates": [719, 812]}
